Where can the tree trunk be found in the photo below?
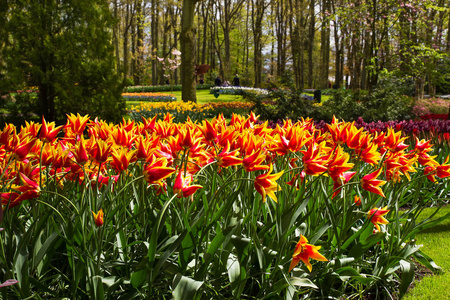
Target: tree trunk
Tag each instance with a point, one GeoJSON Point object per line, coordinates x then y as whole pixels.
{"type": "Point", "coordinates": [312, 31]}
{"type": "Point", "coordinates": [133, 34]}
{"type": "Point", "coordinates": [337, 73]}
{"type": "Point", "coordinates": [175, 43]}
{"type": "Point", "coordinates": [418, 95]}
{"type": "Point", "coordinates": [205, 15]}
{"type": "Point", "coordinates": [257, 18]}
{"type": "Point", "coordinates": [295, 27]}
{"type": "Point", "coordinates": [154, 31]}
{"type": "Point", "coordinates": [166, 38]}
{"type": "Point", "coordinates": [226, 61]}
{"type": "Point", "coordinates": [247, 50]}
{"type": "Point", "coordinates": [227, 16]}
{"type": "Point", "coordinates": [272, 54]}
{"type": "Point", "coordinates": [139, 64]}
{"type": "Point", "coordinates": [325, 47]}
{"type": "Point", "coordinates": [212, 53]}
{"type": "Point", "coordinates": [128, 18]}
{"type": "Point", "coordinates": [448, 35]}
{"type": "Point", "coordinates": [116, 36]}
{"type": "Point", "coordinates": [187, 45]}
{"type": "Point", "coordinates": [281, 26]}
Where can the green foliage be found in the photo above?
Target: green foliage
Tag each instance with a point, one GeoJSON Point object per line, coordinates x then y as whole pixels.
{"type": "Point", "coordinates": [287, 80]}
{"type": "Point", "coordinates": [386, 102]}
{"type": "Point", "coordinates": [19, 108]}
{"type": "Point", "coordinates": [63, 48]}
{"type": "Point", "coordinates": [443, 80]}
{"type": "Point", "coordinates": [422, 61]}
{"type": "Point", "coordinates": [395, 83]}
{"type": "Point", "coordinates": [344, 104]}
{"type": "Point", "coordinates": [282, 104]}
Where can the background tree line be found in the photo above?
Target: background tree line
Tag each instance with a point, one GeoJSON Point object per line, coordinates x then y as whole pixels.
{"type": "Point", "coordinates": [308, 41]}
{"type": "Point", "coordinates": [81, 53]}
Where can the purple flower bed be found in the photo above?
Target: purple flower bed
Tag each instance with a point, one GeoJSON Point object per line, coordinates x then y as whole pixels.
{"type": "Point", "coordinates": [434, 116]}
{"type": "Point", "coordinates": [410, 126]}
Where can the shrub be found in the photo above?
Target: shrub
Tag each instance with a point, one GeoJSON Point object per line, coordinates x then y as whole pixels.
{"type": "Point", "coordinates": [387, 105]}
{"type": "Point", "coordinates": [384, 103]}
{"type": "Point", "coordinates": [20, 107]}
{"type": "Point", "coordinates": [343, 104]}
{"type": "Point", "coordinates": [443, 83]}
{"type": "Point", "coordinates": [283, 104]}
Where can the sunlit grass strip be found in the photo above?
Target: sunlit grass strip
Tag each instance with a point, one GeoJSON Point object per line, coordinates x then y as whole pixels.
{"type": "Point", "coordinates": [436, 242]}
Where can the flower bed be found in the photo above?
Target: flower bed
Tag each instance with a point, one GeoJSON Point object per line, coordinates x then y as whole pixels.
{"type": "Point", "coordinates": [181, 111]}
{"type": "Point", "coordinates": [237, 90]}
{"type": "Point", "coordinates": [431, 106]}
{"type": "Point", "coordinates": [434, 116]}
{"type": "Point", "coordinates": [161, 88]}
{"type": "Point", "coordinates": [150, 97]}
{"type": "Point", "coordinates": [231, 105]}
{"type": "Point", "coordinates": [427, 128]}
{"type": "Point", "coordinates": [215, 209]}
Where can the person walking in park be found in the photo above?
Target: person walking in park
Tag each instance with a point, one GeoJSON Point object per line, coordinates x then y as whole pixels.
{"type": "Point", "coordinates": [236, 80]}
{"type": "Point", "coordinates": [218, 82]}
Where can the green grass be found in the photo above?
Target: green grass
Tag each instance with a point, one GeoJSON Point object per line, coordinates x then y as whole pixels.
{"type": "Point", "coordinates": [324, 97]}
{"type": "Point", "coordinates": [436, 244]}
{"type": "Point", "coordinates": [203, 97]}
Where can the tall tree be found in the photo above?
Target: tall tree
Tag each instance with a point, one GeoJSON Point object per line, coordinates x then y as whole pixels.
{"type": "Point", "coordinates": [204, 11]}
{"type": "Point", "coordinates": [324, 44]}
{"type": "Point", "coordinates": [154, 30]}
{"type": "Point", "coordinates": [448, 33]}
{"type": "Point", "coordinates": [281, 26]}
{"type": "Point", "coordinates": [258, 10]}
{"type": "Point", "coordinates": [187, 46]}
{"type": "Point", "coordinates": [69, 56]}
{"type": "Point", "coordinates": [311, 36]}
{"type": "Point", "coordinates": [138, 43]}
{"type": "Point", "coordinates": [128, 21]}
{"type": "Point", "coordinates": [297, 25]}
{"type": "Point", "coordinates": [227, 12]}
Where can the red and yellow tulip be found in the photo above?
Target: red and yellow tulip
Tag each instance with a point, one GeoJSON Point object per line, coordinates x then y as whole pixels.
{"type": "Point", "coordinates": [303, 252]}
